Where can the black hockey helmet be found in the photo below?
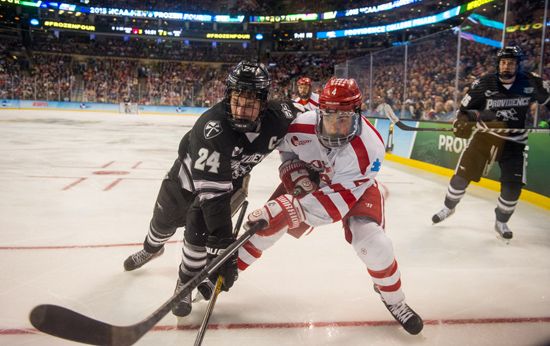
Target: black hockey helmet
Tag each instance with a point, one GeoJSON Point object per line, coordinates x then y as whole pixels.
{"type": "Point", "coordinates": [510, 52]}
{"type": "Point", "coordinates": [251, 79]}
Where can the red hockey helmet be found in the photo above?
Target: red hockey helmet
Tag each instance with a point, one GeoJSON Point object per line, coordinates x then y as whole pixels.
{"type": "Point", "coordinates": [304, 81]}
{"type": "Point", "coordinates": [339, 112]}
{"type": "Point", "coordinates": [341, 94]}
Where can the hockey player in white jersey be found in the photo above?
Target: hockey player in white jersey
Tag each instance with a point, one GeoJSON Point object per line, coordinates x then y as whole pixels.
{"type": "Point", "coordinates": [306, 96]}
{"type": "Point", "coordinates": [331, 157]}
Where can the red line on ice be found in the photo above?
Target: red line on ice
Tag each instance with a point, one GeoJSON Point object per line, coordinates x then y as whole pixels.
{"type": "Point", "coordinates": [113, 184]}
{"type": "Point", "coordinates": [320, 324]}
{"type": "Point", "coordinates": [78, 181]}
{"type": "Point", "coordinates": [64, 247]}
{"type": "Point", "coordinates": [107, 164]}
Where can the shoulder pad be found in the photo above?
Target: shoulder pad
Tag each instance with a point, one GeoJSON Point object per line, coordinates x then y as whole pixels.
{"type": "Point", "coordinates": [284, 109]}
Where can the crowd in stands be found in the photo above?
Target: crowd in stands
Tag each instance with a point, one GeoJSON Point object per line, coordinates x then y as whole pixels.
{"type": "Point", "coordinates": [151, 71]}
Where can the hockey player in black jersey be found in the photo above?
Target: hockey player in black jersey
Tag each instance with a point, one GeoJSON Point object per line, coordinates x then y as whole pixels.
{"type": "Point", "coordinates": [214, 161]}
{"type": "Point", "coordinates": [500, 99]}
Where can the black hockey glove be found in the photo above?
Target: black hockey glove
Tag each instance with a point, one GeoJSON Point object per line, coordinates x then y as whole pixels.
{"type": "Point", "coordinates": [229, 271]}
{"type": "Point", "coordinates": [463, 125]}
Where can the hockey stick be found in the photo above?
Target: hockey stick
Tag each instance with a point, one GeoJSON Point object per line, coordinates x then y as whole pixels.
{"type": "Point", "coordinates": [68, 324]}
{"type": "Point", "coordinates": [388, 111]}
{"type": "Point", "coordinates": [219, 282]}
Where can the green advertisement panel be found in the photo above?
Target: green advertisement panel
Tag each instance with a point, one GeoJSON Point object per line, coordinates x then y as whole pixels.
{"type": "Point", "coordinates": [443, 149]}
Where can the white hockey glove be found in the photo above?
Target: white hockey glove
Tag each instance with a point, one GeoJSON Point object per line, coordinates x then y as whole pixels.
{"type": "Point", "coordinates": [283, 211]}
{"type": "Point", "coordinates": [295, 178]}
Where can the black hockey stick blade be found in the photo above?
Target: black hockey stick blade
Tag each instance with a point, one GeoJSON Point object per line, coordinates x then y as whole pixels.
{"type": "Point", "coordinates": [68, 324]}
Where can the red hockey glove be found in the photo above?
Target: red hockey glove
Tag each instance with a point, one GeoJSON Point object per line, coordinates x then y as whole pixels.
{"type": "Point", "coordinates": [283, 211]}
{"type": "Point", "coordinates": [295, 178]}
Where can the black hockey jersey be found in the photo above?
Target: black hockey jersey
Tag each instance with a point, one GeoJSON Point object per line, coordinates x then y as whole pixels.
{"type": "Point", "coordinates": [510, 105]}
{"type": "Point", "coordinates": [215, 158]}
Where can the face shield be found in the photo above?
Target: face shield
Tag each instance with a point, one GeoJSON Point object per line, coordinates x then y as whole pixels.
{"type": "Point", "coordinates": [336, 128]}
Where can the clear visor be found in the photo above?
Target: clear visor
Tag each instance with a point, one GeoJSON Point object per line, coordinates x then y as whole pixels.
{"type": "Point", "coordinates": [337, 124]}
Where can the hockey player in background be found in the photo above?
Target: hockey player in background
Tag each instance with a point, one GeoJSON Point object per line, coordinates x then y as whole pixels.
{"type": "Point", "coordinates": [496, 100]}
{"type": "Point", "coordinates": [306, 96]}
{"type": "Point", "coordinates": [214, 159]}
{"type": "Point", "coordinates": [330, 160]}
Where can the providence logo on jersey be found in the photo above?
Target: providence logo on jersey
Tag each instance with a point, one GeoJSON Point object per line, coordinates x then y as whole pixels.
{"type": "Point", "coordinates": [522, 101]}
{"type": "Point", "coordinates": [212, 129]}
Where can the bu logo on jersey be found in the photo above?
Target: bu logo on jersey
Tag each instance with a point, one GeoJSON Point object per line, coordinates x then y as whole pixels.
{"type": "Point", "coordinates": [212, 129]}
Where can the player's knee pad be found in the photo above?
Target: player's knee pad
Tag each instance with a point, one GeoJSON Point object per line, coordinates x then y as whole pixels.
{"type": "Point", "coordinates": [371, 243]}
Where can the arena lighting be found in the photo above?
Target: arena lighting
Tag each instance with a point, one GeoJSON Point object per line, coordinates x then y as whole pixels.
{"type": "Point", "coordinates": [286, 18]}
{"type": "Point", "coordinates": [526, 27]}
{"type": "Point", "coordinates": [483, 40]}
{"type": "Point", "coordinates": [228, 36]}
{"type": "Point", "coordinates": [486, 21]}
{"type": "Point", "coordinates": [292, 18]}
{"type": "Point", "coordinates": [22, 3]}
{"type": "Point", "coordinates": [70, 26]}
{"type": "Point", "coordinates": [411, 23]}
{"type": "Point", "coordinates": [146, 32]}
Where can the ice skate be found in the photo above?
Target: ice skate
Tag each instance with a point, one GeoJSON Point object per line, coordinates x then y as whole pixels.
{"type": "Point", "coordinates": [183, 307]}
{"type": "Point", "coordinates": [204, 290]}
{"type": "Point", "coordinates": [406, 316]}
{"type": "Point", "coordinates": [141, 257]}
{"type": "Point", "coordinates": [503, 231]}
{"type": "Point", "coordinates": [442, 215]}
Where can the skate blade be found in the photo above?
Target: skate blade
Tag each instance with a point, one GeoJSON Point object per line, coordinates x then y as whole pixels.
{"type": "Point", "coordinates": [504, 240]}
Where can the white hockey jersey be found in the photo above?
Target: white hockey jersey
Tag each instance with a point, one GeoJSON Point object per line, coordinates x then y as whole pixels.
{"type": "Point", "coordinates": [310, 104]}
{"type": "Point", "coordinates": [345, 172]}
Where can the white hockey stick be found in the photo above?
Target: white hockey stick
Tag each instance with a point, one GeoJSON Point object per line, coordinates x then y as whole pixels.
{"type": "Point", "coordinates": [389, 113]}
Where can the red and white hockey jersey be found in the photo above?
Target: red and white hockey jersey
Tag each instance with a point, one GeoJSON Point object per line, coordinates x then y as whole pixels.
{"type": "Point", "coordinates": [345, 172]}
{"type": "Point", "coordinates": [310, 104]}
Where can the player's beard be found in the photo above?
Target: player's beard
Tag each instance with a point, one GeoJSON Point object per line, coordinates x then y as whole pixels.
{"type": "Point", "coordinates": [507, 75]}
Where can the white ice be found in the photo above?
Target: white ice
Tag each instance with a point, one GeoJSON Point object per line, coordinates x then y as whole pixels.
{"type": "Point", "coordinates": [65, 230]}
